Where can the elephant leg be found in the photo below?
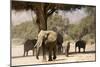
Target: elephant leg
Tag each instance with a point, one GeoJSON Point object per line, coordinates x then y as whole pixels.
{"type": "Point", "coordinates": [79, 49]}
{"type": "Point", "coordinates": [44, 52]}
{"type": "Point", "coordinates": [24, 53]}
{"type": "Point", "coordinates": [68, 48]}
{"type": "Point", "coordinates": [54, 53]}
{"type": "Point", "coordinates": [59, 50]}
{"type": "Point", "coordinates": [66, 52]}
{"type": "Point", "coordinates": [75, 49]}
{"type": "Point", "coordinates": [33, 51]}
{"type": "Point", "coordinates": [83, 49]}
{"type": "Point", "coordinates": [50, 55]}
{"type": "Point", "coordinates": [63, 50]}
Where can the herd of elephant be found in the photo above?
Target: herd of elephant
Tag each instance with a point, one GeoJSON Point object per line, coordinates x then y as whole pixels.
{"type": "Point", "coordinates": [52, 43]}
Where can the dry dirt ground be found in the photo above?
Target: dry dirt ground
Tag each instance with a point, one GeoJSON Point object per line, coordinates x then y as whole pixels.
{"type": "Point", "coordinates": [18, 59]}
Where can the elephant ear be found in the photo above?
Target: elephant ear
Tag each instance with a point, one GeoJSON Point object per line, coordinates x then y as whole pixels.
{"type": "Point", "coordinates": [52, 36]}
{"type": "Point", "coordinates": [46, 36]}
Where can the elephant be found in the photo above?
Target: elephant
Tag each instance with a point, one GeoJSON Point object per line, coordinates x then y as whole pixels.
{"type": "Point", "coordinates": [80, 44]}
{"type": "Point", "coordinates": [66, 48]}
{"type": "Point", "coordinates": [29, 45]}
{"type": "Point", "coordinates": [46, 40]}
{"type": "Point", "coordinates": [59, 42]}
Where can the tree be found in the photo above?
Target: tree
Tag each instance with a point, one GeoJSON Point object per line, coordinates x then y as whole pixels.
{"type": "Point", "coordinates": [88, 24]}
{"type": "Point", "coordinates": [42, 10]}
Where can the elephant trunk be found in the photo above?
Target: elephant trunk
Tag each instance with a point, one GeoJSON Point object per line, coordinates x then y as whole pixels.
{"type": "Point", "coordinates": [37, 52]}
{"type": "Point", "coordinates": [38, 45]}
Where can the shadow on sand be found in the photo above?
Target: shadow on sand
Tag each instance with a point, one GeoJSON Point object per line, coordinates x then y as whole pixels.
{"type": "Point", "coordinates": [59, 59]}
{"type": "Point", "coordinates": [87, 52]}
{"type": "Point", "coordinates": [22, 56]}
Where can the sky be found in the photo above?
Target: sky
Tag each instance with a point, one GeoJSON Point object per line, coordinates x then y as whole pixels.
{"type": "Point", "coordinates": [74, 16]}
{"type": "Point", "coordinates": [22, 16]}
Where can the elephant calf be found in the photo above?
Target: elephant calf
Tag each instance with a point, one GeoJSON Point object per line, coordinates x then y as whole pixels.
{"type": "Point", "coordinates": [29, 45]}
{"type": "Point", "coordinates": [80, 44]}
{"type": "Point", "coordinates": [66, 47]}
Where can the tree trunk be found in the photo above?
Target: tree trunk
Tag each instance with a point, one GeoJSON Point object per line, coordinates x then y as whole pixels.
{"type": "Point", "coordinates": [41, 19]}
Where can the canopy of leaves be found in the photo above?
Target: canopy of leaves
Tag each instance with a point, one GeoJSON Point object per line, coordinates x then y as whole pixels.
{"type": "Point", "coordinates": [87, 26]}
{"type": "Point", "coordinates": [21, 5]}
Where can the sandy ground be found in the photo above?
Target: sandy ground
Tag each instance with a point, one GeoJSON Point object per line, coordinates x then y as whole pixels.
{"type": "Point", "coordinates": [18, 59]}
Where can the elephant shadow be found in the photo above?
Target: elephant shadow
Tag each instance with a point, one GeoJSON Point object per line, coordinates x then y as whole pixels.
{"type": "Point", "coordinates": [60, 59]}
{"type": "Point", "coordinates": [86, 52]}
{"type": "Point", "coordinates": [21, 56]}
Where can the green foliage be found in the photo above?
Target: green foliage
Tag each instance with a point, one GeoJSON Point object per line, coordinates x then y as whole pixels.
{"type": "Point", "coordinates": [86, 26]}
{"type": "Point", "coordinates": [85, 29]}
{"type": "Point", "coordinates": [25, 30]}
{"type": "Point", "coordinates": [66, 37]}
{"type": "Point", "coordinates": [73, 31]}
{"type": "Point", "coordinates": [89, 36]}
{"type": "Point", "coordinates": [57, 22]}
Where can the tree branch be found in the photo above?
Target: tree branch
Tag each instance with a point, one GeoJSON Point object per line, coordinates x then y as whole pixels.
{"type": "Point", "coordinates": [48, 6]}
{"type": "Point", "coordinates": [51, 12]}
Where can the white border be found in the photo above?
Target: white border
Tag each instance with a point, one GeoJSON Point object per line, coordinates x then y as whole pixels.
{"type": "Point", "coordinates": [82, 2]}
{"type": "Point", "coordinates": [5, 33]}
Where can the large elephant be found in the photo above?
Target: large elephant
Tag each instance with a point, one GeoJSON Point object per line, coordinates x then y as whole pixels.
{"type": "Point", "coordinates": [46, 39]}
{"type": "Point", "coordinates": [80, 44]}
{"type": "Point", "coordinates": [29, 45]}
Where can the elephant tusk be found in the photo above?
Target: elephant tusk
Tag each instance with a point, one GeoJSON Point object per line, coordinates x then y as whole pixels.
{"type": "Point", "coordinates": [38, 45]}
{"type": "Point", "coordinates": [37, 53]}
{"type": "Point", "coordinates": [35, 45]}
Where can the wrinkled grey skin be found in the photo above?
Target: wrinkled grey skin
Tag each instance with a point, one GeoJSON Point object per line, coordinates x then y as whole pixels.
{"type": "Point", "coordinates": [29, 45]}
{"type": "Point", "coordinates": [80, 44]}
{"type": "Point", "coordinates": [46, 40]}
